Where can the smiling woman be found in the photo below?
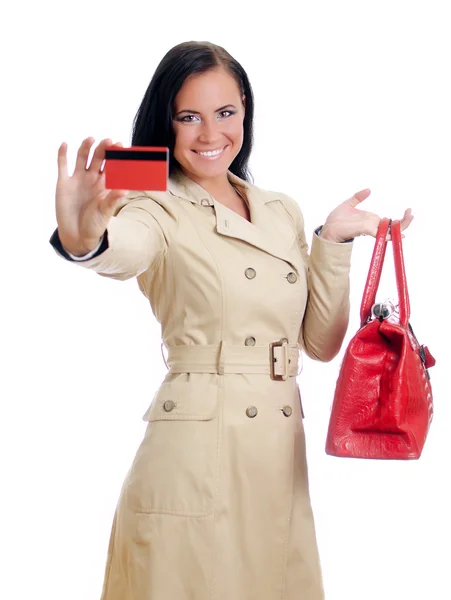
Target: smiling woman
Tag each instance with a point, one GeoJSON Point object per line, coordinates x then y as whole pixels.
{"type": "Point", "coordinates": [208, 108]}
{"type": "Point", "coordinates": [216, 504]}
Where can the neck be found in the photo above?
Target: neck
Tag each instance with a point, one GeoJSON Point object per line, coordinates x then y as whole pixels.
{"type": "Point", "coordinates": [216, 186]}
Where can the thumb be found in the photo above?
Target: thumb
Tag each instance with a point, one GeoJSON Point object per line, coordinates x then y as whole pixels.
{"type": "Point", "coordinates": [359, 197]}
{"type": "Point", "coordinates": [111, 200]}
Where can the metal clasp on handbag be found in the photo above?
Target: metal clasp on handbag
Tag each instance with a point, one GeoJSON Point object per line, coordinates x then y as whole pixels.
{"type": "Point", "coordinates": [384, 310]}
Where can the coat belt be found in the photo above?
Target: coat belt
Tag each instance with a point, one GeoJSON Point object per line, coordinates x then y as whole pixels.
{"type": "Point", "coordinates": [224, 358]}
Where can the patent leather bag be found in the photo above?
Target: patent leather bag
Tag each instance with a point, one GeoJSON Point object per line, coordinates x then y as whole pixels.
{"type": "Point", "coordinates": [382, 405]}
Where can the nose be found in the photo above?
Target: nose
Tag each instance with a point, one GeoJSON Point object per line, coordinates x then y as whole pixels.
{"type": "Point", "coordinates": [209, 131]}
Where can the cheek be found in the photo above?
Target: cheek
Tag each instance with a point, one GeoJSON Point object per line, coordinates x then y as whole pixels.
{"type": "Point", "coordinates": [183, 138]}
{"type": "Point", "coordinates": [235, 130]}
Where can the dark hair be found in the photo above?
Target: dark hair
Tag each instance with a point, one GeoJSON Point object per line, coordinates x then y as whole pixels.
{"type": "Point", "coordinates": [152, 125]}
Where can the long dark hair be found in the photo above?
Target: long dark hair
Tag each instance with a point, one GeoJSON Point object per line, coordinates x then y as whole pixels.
{"type": "Point", "coordinates": [152, 125]}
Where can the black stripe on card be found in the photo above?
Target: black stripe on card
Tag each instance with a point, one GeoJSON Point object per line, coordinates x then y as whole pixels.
{"type": "Point", "coordinates": [135, 155]}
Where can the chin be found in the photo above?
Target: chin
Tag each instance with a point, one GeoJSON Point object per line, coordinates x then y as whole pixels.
{"type": "Point", "coordinates": [208, 170]}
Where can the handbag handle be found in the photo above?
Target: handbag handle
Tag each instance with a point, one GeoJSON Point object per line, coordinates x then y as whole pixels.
{"type": "Point", "coordinates": [400, 271]}
{"type": "Point", "coordinates": [375, 271]}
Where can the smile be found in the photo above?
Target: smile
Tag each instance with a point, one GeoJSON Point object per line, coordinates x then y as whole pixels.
{"type": "Point", "coordinates": [211, 154]}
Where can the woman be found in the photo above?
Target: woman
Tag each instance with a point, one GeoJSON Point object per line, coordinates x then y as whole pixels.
{"type": "Point", "coordinates": [216, 503]}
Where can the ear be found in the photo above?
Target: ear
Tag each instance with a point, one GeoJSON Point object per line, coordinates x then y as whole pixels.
{"type": "Point", "coordinates": [243, 98]}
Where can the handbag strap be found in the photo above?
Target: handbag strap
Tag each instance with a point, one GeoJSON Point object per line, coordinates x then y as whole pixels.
{"type": "Point", "coordinates": [400, 271]}
{"type": "Point", "coordinates": [375, 271]}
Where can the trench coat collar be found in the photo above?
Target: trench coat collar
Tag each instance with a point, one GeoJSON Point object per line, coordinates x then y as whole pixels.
{"type": "Point", "coordinates": [264, 232]}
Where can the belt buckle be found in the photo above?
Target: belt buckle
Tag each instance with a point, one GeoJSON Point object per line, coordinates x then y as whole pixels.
{"type": "Point", "coordinates": [272, 360]}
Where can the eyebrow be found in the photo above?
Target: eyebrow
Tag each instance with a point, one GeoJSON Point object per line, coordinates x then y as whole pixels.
{"type": "Point", "coordinates": [195, 112]}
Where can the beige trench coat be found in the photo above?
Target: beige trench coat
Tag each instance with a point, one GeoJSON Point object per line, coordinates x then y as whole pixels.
{"type": "Point", "coordinates": [216, 503]}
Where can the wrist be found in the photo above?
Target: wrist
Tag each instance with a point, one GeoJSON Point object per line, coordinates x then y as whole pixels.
{"type": "Point", "coordinates": [326, 234]}
{"type": "Point", "coordinates": [78, 251]}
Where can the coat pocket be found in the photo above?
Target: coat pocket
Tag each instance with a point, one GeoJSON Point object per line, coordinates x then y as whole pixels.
{"type": "Point", "coordinates": [174, 470]}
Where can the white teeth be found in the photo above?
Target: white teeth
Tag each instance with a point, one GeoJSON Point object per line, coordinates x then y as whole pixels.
{"type": "Point", "coordinates": [215, 153]}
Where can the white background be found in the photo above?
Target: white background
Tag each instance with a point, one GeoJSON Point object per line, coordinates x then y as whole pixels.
{"type": "Point", "coordinates": [348, 95]}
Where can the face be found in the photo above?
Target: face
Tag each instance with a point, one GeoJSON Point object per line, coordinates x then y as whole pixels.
{"type": "Point", "coordinates": [208, 116]}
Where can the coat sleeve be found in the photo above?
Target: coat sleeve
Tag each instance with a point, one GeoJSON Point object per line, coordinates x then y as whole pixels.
{"type": "Point", "coordinates": [137, 237]}
{"type": "Point", "coordinates": [326, 315]}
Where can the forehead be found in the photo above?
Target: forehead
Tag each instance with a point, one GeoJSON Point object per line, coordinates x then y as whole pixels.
{"type": "Point", "coordinates": [207, 89]}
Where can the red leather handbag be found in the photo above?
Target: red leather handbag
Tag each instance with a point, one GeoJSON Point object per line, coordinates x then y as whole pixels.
{"type": "Point", "coordinates": [382, 406]}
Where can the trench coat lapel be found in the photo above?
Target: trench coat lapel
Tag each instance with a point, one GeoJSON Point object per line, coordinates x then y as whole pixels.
{"type": "Point", "coordinates": [272, 235]}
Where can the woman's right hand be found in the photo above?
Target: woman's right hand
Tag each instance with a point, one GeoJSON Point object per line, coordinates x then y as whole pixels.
{"type": "Point", "coordinates": [83, 205]}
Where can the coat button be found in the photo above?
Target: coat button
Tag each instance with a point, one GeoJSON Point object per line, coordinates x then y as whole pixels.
{"type": "Point", "coordinates": [205, 202]}
{"type": "Point", "coordinates": [251, 412]}
{"type": "Point", "coordinates": [249, 341]}
{"type": "Point", "coordinates": [292, 277]}
{"type": "Point", "coordinates": [250, 273]}
{"type": "Point", "coordinates": [287, 410]}
{"type": "Point", "coordinates": [169, 405]}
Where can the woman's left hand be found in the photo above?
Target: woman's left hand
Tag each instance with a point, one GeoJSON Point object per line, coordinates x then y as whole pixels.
{"type": "Point", "coordinates": [346, 221]}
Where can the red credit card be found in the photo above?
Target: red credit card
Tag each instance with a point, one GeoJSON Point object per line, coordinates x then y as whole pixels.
{"type": "Point", "coordinates": [137, 168]}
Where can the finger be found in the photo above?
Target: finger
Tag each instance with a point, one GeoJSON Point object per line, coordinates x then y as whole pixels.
{"type": "Point", "coordinates": [99, 155]}
{"type": "Point", "coordinates": [407, 213]}
{"type": "Point", "coordinates": [370, 224]}
{"type": "Point", "coordinates": [375, 230]}
{"type": "Point", "coordinates": [102, 167]}
{"type": "Point", "coordinates": [62, 161]}
{"type": "Point", "coordinates": [389, 238]}
{"type": "Point", "coordinates": [358, 197]}
{"type": "Point", "coordinates": [406, 222]}
{"type": "Point", "coordinates": [82, 154]}
{"type": "Point", "coordinates": [407, 219]}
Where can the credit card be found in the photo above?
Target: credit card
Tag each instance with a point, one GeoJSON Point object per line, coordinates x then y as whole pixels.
{"type": "Point", "coordinates": [137, 168]}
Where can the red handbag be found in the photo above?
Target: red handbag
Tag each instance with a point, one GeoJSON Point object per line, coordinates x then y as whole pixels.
{"type": "Point", "coordinates": [382, 406]}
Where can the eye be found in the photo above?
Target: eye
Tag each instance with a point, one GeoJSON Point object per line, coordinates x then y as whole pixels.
{"type": "Point", "coordinates": [186, 119]}
{"type": "Point", "coordinates": [226, 111]}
